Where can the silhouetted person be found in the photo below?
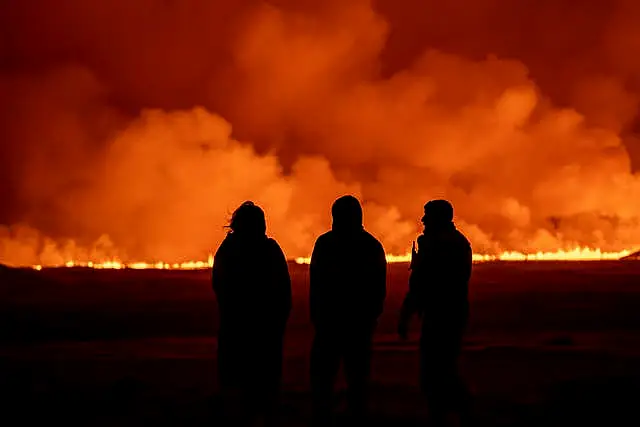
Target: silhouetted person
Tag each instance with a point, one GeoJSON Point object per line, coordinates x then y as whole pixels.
{"type": "Point", "coordinates": [347, 291]}
{"type": "Point", "coordinates": [253, 289]}
{"type": "Point", "coordinates": [438, 292]}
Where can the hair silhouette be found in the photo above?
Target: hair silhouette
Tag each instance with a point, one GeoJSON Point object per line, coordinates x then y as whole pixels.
{"type": "Point", "coordinates": [248, 219]}
{"type": "Point", "coordinates": [250, 278]}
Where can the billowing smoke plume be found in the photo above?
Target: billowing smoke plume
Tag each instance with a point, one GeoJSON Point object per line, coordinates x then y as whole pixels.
{"type": "Point", "coordinates": [133, 129]}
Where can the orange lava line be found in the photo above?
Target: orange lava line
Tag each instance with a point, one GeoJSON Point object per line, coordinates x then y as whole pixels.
{"type": "Point", "coordinates": [577, 254]}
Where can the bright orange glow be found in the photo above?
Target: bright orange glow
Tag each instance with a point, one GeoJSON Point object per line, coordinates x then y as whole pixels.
{"type": "Point", "coordinates": [136, 153]}
{"type": "Point", "coordinates": [116, 264]}
{"type": "Point", "coordinates": [577, 254]}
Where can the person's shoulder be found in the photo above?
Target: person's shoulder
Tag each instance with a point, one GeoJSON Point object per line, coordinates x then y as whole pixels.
{"type": "Point", "coordinates": [462, 238]}
{"type": "Point", "coordinates": [323, 245]}
{"type": "Point", "coordinates": [325, 238]}
{"type": "Point", "coordinates": [462, 242]}
{"type": "Point", "coordinates": [427, 242]}
{"type": "Point", "coordinates": [371, 240]}
{"type": "Point", "coordinates": [224, 246]}
{"type": "Point", "coordinates": [273, 244]}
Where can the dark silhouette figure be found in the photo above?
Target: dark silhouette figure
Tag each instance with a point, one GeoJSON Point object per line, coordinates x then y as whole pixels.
{"type": "Point", "coordinates": [348, 287]}
{"type": "Point", "coordinates": [438, 292]}
{"type": "Point", "coordinates": [253, 288]}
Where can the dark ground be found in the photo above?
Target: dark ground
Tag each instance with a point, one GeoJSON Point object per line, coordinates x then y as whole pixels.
{"type": "Point", "coordinates": [549, 344]}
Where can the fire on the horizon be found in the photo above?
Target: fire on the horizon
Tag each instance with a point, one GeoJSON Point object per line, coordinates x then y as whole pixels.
{"type": "Point", "coordinates": [133, 148]}
{"type": "Point", "coordinates": [577, 254]}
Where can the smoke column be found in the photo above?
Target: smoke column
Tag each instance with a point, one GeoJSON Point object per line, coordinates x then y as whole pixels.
{"type": "Point", "coordinates": [134, 128]}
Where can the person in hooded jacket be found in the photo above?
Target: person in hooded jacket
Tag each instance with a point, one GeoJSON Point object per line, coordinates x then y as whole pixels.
{"type": "Point", "coordinates": [252, 285]}
{"type": "Point", "coordinates": [438, 293]}
{"type": "Point", "coordinates": [348, 274]}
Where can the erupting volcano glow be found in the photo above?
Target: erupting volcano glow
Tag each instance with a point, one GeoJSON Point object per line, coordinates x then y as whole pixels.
{"type": "Point", "coordinates": [133, 148]}
{"type": "Point", "coordinates": [577, 254]}
{"type": "Point", "coordinates": [118, 265]}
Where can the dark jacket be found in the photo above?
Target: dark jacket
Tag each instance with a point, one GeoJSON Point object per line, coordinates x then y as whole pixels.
{"type": "Point", "coordinates": [439, 281]}
{"type": "Point", "coordinates": [348, 277]}
{"type": "Point", "coordinates": [252, 284]}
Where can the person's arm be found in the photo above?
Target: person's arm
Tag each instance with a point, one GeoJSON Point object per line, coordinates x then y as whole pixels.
{"type": "Point", "coordinates": [464, 272]}
{"type": "Point", "coordinates": [408, 308]}
{"type": "Point", "coordinates": [410, 303]}
{"type": "Point", "coordinates": [379, 281]}
{"type": "Point", "coordinates": [468, 262]}
{"type": "Point", "coordinates": [316, 279]}
{"type": "Point", "coordinates": [283, 283]}
{"type": "Point", "coordinates": [218, 275]}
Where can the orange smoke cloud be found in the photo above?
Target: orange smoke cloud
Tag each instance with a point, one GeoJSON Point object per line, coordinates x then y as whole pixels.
{"type": "Point", "coordinates": [136, 137]}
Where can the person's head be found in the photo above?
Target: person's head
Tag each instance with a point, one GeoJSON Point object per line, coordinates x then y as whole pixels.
{"type": "Point", "coordinates": [248, 219]}
{"type": "Point", "coordinates": [347, 213]}
{"type": "Point", "coordinates": [437, 214]}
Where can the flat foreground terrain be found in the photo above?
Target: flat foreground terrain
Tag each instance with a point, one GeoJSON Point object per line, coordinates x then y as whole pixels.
{"type": "Point", "coordinates": [549, 344]}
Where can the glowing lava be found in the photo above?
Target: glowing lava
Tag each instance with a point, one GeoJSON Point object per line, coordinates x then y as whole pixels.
{"type": "Point", "coordinates": [118, 265]}
{"type": "Point", "coordinates": [577, 254]}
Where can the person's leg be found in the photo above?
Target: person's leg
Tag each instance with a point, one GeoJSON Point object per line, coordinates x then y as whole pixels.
{"type": "Point", "coordinates": [236, 374]}
{"type": "Point", "coordinates": [238, 404]}
{"type": "Point", "coordinates": [270, 403]}
{"type": "Point", "coordinates": [432, 374]}
{"type": "Point", "coordinates": [229, 390]}
{"type": "Point", "coordinates": [324, 366]}
{"type": "Point", "coordinates": [433, 389]}
{"type": "Point", "coordinates": [455, 397]}
{"type": "Point", "coordinates": [461, 399]}
{"type": "Point", "coordinates": [357, 367]}
{"type": "Point", "coordinates": [465, 409]}
{"type": "Point", "coordinates": [441, 383]}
